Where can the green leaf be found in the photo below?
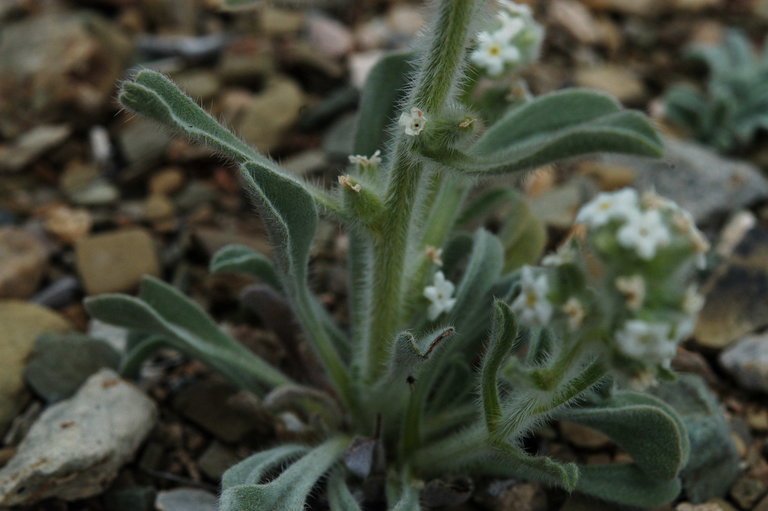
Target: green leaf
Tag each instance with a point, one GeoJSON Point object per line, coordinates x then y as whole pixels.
{"type": "Point", "coordinates": [522, 234]}
{"type": "Point", "coordinates": [339, 496]}
{"type": "Point", "coordinates": [626, 484]}
{"type": "Point", "coordinates": [646, 427]}
{"type": "Point", "coordinates": [550, 128]}
{"type": "Point", "coordinates": [291, 488]}
{"type": "Point", "coordinates": [384, 91]}
{"type": "Point", "coordinates": [243, 259]}
{"type": "Point", "coordinates": [130, 366]}
{"type": "Point", "coordinates": [165, 312]}
{"type": "Point", "coordinates": [153, 95]}
{"type": "Point", "coordinates": [253, 469]}
{"type": "Point", "coordinates": [290, 216]}
{"type": "Point", "coordinates": [509, 461]}
{"type": "Point", "coordinates": [502, 341]}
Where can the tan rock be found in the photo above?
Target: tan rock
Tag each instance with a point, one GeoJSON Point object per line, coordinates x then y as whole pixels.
{"type": "Point", "coordinates": [158, 207]}
{"type": "Point", "coordinates": [619, 81]}
{"type": "Point", "coordinates": [21, 323]}
{"type": "Point", "coordinates": [116, 261]}
{"type": "Point", "coordinates": [23, 261]}
{"type": "Point", "coordinates": [67, 224]}
{"type": "Point", "coordinates": [582, 436]}
{"type": "Point", "coordinates": [574, 18]}
{"type": "Point", "coordinates": [166, 181]}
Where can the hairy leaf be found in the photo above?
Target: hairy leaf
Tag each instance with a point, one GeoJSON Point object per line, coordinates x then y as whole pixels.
{"type": "Point", "coordinates": [502, 340]}
{"type": "Point", "coordinates": [243, 259]}
{"type": "Point", "coordinates": [626, 484]}
{"type": "Point", "coordinates": [165, 312]}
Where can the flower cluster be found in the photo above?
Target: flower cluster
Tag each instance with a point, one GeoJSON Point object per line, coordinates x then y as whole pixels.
{"type": "Point", "coordinates": [514, 43]}
{"type": "Point", "coordinates": [627, 275]}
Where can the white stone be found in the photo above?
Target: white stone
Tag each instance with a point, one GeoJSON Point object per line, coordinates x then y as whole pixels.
{"type": "Point", "coordinates": [76, 447]}
{"type": "Point", "coordinates": [747, 362]}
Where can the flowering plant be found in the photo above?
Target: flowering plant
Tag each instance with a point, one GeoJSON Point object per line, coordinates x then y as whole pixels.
{"type": "Point", "coordinates": [417, 385]}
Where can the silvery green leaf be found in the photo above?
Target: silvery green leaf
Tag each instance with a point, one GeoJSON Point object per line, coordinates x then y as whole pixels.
{"type": "Point", "coordinates": [510, 461]}
{"type": "Point", "coordinates": [550, 128]}
{"type": "Point", "coordinates": [291, 488]}
{"type": "Point", "coordinates": [501, 342]}
{"type": "Point", "coordinates": [243, 259]}
{"type": "Point", "coordinates": [162, 310]}
{"type": "Point", "coordinates": [626, 484]}
{"type": "Point", "coordinates": [253, 469]}
{"type": "Point", "coordinates": [339, 496]}
{"type": "Point", "coordinates": [646, 427]}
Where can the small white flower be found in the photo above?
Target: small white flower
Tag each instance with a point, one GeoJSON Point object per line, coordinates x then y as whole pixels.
{"type": "Point", "coordinates": [347, 183]}
{"type": "Point", "coordinates": [575, 312]}
{"type": "Point", "coordinates": [608, 206]}
{"type": "Point", "coordinates": [511, 26]}
{"type": "Point", "coordinates": [515, 8]}
{"type": "Point", "coordinates": [633, 288]}
{"type": "Point", "coordinates": [565, 255]}
{"type": "Point", "coordinates": [439, 294]}
{"type": "Point", "coordinates": [693, 302]}
{"type": "Point", "coordinates": [647, 342]}
{"type": "Point", "coordinates": [365, 161]}
{"type": "Point", "coordinates": [413, 122]}
{"type": "Point", "coordinates": [434, 254]}
{"type": "Point", "coordinates": [532, 306]}
{"type": "Point", "coordinates": [494, 51]}
{"type": "Point", "coordinates": [645, 232]}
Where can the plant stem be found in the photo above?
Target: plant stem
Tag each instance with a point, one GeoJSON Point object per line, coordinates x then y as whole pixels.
{"type": "Point", "coordinates": [436, 81]}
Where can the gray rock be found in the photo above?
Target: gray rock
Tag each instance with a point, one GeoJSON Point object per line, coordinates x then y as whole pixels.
{"type": "Point", "coordinates": [61, 363]}
{"type": "Point", "coordinates": [689, 173]}
{"type": "Point", "coordinates": [714, 462]}
{"type": "Point", "coordinates": [217, 459]}
{"type": "Point", "coordinates": [31, 145]}
{"type": "Point", "coordinates": [747, 362]}
{"type": "Point", "coordinates": [76, 447]}
{"type": "Point", "coordinates": [186, 499]}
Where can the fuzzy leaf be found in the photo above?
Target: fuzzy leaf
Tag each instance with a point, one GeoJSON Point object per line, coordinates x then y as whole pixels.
{"type": "Point", "coordinates": [253, 469]}
{"type": "Point", "coordinates": [130, 365]}
{"type": "Point", "coordinates": [502, 341]}
{"type": "Point", "coordinates": [550, 128]}
{"type": "Point", "coordinates": [243, 259]}
{"type": "Point", "coordinates": [165, 312]}
{"type": "Point", "coordinates": [509, 461]}
{"type": "Point", "coordinates": [384, 90]}
{"type": "Point", "coordinates": [291, 488]}
{"type": "Point", "coordinates": [646, 427]}
{"type": "Point", "coordinates": [626, 484]}
{"type": "Point", "coordinates": [339, 496]}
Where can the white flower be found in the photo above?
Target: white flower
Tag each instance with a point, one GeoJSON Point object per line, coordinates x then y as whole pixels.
{"type": "Point", "coordinates": [413, 122]}
{"type": "Point", "coordinates": [648, 342]}
{"type": "Point", "coordinates": [634, 289]}
{"type": "Point", "coordinates": [434, 254]}
{"type": "Point", "coordinates": [515, 8]}
{"type": "Point", "coordinates": [531, 306]}
{"type": "Point", "coordinates": [511, 26]}
{"type": "Point", "coordinates": [608, 206]}
{"type": "Point", "coordinates": [365, 161]}
{"type": "Point", "coordinates": [575, 312]}
{"type": "Point", "coordinates": [693, 302]}
{"type": "Point", "coordinates": [440, 295]}
{"type": "Point", "coordinates": [494, 51]}
{"type": "Point", "coordinates": [565, 255]}
{"type": "Point", "coordinates": [347, 183]}
{"type": "Point", "coordinates": [645, 232]}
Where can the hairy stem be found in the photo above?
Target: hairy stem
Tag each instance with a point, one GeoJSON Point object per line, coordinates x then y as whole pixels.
{"type": "Point", "coordinates": [442, 62]}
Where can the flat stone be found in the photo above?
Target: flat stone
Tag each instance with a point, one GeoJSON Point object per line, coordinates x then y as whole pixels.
{"type": "Point", "coordinates": [186, 499]}
{"type": "Point", "coordinates": [329, 36]}
{"type": "Point", "coordinates": [746, 491]}
{"type": "Point", "coordinates": [616, 80]}
{"type": "Point", "coordinates": [166, 181]}
{"type": "Point", "coordinates": [143, 143]}
{"type": "Point", "coordinates": [735, 293]}
{"type": "Point", "coordinates": [43, 62]}
{"type": "Point", "coordinates": [217, 459]}
{"type": "Point", "coordinates": [31, 145]}
{"type": "Point", "coordinates": [61, 363]}
{"type": "Point", "coordinates": [688, 173]}
{"type": "Point", "coordinates": [116, 261]}
{"type": "Point", "coordinates": [574, 18]}
{"type": "Point", "coordinates": [67, 224]}
{"type": "Point", "coordinates": [21, 323]}
{"type": "Point", "coordinates": [262, 119]}
{"type": "Point", "coordinates": [747, 362]}
{"type": "Point", "coordinates": [23, 263]}
{"type": "Point", "coordinates": [75, 449]}
{"type": "Point", "coordinates": [582, 436]}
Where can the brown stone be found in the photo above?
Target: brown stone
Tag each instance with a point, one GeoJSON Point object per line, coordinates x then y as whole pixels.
{"type": "Point", "coordinates": [23, 262]}
{"type": "Point", "coordinates": [116, 261]}
{"type": "Point", "coordinates": [582, 436]}
{"type": "Point", "coordinates": [21, 323]}
{"type": "Point", "coordinates": [618, 81]}
{"type": "Point", "coordinates": [166, 181]}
